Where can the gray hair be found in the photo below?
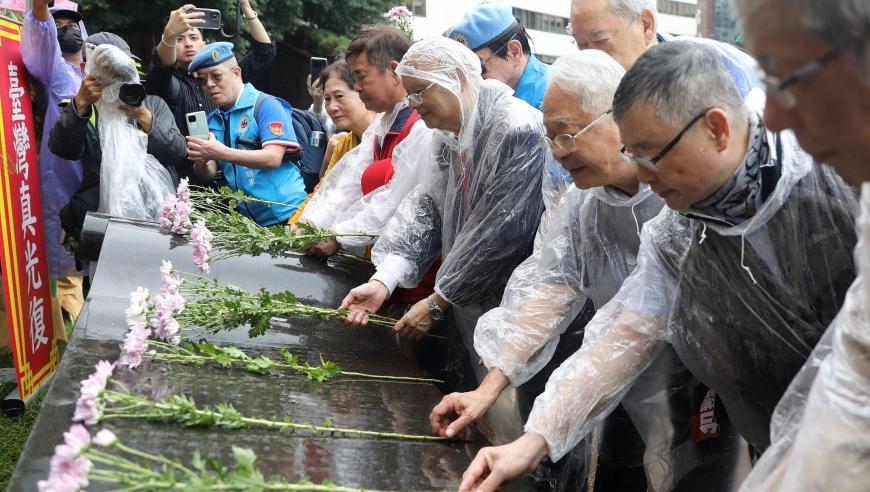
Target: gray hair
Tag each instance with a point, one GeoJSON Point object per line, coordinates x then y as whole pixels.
{"type": "Point", "coordinates": [592, 76]}
{"type": "Point", "coordinates": [843, 23]}
{"type": "Point", "coordinates": [629, 8]}
{"type": "Point", "coordinates": [680, 79]}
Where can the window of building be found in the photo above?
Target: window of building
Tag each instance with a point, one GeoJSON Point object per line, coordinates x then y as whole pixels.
{"type": "Point", "coordinates": [672, 7]}
{"type": "Point", "coordinates": [541, 22]}
{"type": "Point", "coordinates": [418, 7]}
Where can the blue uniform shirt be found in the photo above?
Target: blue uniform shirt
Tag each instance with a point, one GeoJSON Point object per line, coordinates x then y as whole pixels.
{"type": "Point", "coordinates": [531, 88]}
{"type": "Point", "coordinates": [272, 126]}
{"type": "Point", "coordinates": [533, 83]}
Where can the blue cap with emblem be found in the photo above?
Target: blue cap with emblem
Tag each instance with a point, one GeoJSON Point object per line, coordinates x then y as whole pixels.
{"type": "Point", "coordinates": [481, 25]}
{"type": "Point", "coordinates": [211, 55]}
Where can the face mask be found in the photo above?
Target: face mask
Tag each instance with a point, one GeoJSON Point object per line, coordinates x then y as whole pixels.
{"type": "Point", "coordinates": [70, 39]}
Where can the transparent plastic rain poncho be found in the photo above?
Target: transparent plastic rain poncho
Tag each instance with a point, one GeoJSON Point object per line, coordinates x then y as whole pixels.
{"type": "Point", "coordinates": [746, 341]}
{"type": "Point", "coordinates": [339, 204]}
{"type": "Point", "coordinates": [133, 183]}
{"type": "Point", "coordinates": [589, 248]}
{"type": "Point", "coordinates": [481, 204]}
{"type": "Point", "coordinates": [821, 427]}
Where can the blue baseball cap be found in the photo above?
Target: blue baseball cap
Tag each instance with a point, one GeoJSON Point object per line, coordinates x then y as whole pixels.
{"type": "Point", "coordinates": [479, 26]}
{"type": "Point", "coordinates": [211, 55]}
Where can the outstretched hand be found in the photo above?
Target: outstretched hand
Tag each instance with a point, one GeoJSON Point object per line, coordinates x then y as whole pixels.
{"type": "Point", "coordinates": [496, 465]}
{"type": "Point", "coordinates": [182, 20]}
{"type": "Point", "coordinates": [362, 300]}
{"type": "Point", "coordinates": [457, 411]}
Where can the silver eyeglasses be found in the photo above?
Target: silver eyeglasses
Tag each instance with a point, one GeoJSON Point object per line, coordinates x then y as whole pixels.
{"type": "Point", "coordinates": [780, 88]}
{"type": "Point", "coordinates": [416, 98]}
{"type": "Point", "coordinates": [567, 142]}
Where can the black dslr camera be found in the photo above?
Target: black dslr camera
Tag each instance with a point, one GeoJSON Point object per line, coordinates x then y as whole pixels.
{"type": "Point", "coordinates": [132, 94]}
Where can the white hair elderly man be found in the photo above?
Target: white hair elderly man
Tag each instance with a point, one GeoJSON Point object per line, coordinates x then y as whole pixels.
{"type": "Point", "coordinates": [582, 255]}
{"type": "Point", "coordinates": [817, 57]}
{"type": "Point", "coordinates": [624, 29]}
{"type": "Point", "coordinates": [587, 251]}
{"type": "Point", "coordinates": [740, 277]}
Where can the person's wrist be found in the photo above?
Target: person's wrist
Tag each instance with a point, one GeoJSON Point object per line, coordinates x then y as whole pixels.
{"type": "Point", "coordinates": [378, 283]}
{"type": "Point", "coordinates": [164, 37]}
{"type": "Point", "coordinates": [145, 119]}
{"type": "Point", "coordinates": [441, 302]}
{"type": "Point", "coordinates": [81, 108]}
{"type": "Point", "coordinates": [493, 384]}
{"type": "Point", "coordinates": [535, 445]}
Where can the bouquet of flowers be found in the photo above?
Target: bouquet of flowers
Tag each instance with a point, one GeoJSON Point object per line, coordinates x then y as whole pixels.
{"type": "Point", "coordinates": [189, 301]}
{"type": "Point", "coordinates": [211, 220]}
{"type": "Point", "coordinates": [103, 458]}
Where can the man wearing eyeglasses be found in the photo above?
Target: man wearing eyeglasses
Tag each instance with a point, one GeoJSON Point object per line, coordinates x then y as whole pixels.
{"type": "Point", "coordinates": [502, 44]}
{"type": "Point", "coordinates": [251, 138]}
{"type": "Point", "coordinates": [741, 276]}
{"type": "Point", "coordinates": [816, 57]}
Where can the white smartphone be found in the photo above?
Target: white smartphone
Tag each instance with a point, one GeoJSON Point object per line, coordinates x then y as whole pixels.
{"type": "Point", "coordinates": [197, 125]}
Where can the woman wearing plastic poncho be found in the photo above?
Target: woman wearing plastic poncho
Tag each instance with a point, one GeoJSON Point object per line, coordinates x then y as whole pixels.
{"type": "Point", "coordinates": [127, 168]}
{"type": "Point", "coordinates": [481, 204]}
{"type": "Point", "coordinates": [740, 277]}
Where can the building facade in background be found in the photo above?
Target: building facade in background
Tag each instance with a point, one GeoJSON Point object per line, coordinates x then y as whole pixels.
{"type": "Point", "coordinates": [718, 20]}
{"type": "Point", "coordinates": [545, 20]}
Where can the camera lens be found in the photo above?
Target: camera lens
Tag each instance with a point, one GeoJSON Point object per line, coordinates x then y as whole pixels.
{"type": "Point", "coordinates": [191, 118]}
{"type": "Point", "coordinates": [132, 94]}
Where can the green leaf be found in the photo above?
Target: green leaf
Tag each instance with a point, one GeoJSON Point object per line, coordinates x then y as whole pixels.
{"type": "Point", "coordinates": [260, 365]}
{"type": "Point", "coordinates": [291, 359]}
{"type": "Point", "coordinates": [235, 353]}
{"type": "Point", "coordinates": [196, 462]}
{"type": "Point", "coordinates": [285, 296]}
{"type": "Point", "coordinates": [327, 422]}
{"type": "Point", "coordinates": [259, 326]}
{"type": "Point", "coordinates": [245, 457]}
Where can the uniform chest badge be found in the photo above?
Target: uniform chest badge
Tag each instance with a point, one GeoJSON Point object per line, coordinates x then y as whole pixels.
{"type": "Point", "coordinates": [277, 128]}
{"type": "Point", "coordinates": [244, 123]}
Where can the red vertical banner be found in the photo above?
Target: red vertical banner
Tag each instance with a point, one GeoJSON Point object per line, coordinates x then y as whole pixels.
{"type": "Point", "coordinates": [24, 263]}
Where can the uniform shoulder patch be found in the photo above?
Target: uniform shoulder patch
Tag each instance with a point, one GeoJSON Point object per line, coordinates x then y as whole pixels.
{"type": "Point", "coordinates": [277, 128]}
{"type": "Point", "coordinates": [459, 38]}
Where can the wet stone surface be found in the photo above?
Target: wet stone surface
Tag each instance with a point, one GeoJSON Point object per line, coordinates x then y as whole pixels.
{"type": "Point", "coordinates": [131, 256]}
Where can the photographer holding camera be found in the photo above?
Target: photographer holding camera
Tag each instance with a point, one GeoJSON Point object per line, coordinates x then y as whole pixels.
{"type": "Point", "coordinates": [128, 142]}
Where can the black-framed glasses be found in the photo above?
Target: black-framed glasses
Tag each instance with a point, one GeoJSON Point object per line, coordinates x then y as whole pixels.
{"type": "Point", "coordinates": [567, 142]}
{"type": "Point", "coordinates": [651, 163]}
{"type": "Point", "coordinates": [494, 54]}
{"type": "Point", "coordinates": [416, 98]}
{"type": "Point", "coordinates": [780, 88]}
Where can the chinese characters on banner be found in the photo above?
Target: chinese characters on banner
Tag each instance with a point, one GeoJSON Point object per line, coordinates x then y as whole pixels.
{"type": "Point", "coordinates": [23, 260]}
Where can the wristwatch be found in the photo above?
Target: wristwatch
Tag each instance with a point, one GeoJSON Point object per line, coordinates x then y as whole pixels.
{"type": "Point", "coordinates": [435, 311]}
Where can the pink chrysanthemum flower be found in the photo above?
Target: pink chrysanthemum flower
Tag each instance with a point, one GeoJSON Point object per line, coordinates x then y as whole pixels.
{"type": "Point", "coordinates": [200, 241]}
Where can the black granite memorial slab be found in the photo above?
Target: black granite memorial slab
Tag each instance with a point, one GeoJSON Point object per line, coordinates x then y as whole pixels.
{"type": "Point", "coordinates": [130, 256]}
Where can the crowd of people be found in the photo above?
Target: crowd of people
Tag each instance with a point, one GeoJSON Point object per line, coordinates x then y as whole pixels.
{"type": "Point", "coordinates": [644, 264]}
